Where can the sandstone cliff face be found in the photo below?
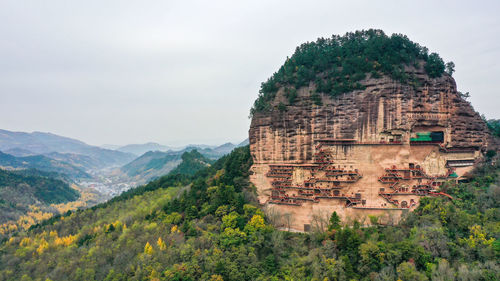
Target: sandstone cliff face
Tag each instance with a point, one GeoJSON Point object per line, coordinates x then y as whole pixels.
{"type": "Point", "coordinates": [308, 159]}
{"type": "Point", "coordinates": [378, 111]}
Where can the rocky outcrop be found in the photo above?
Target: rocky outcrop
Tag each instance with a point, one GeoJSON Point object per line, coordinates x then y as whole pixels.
{"type": "Point", "coordinates": [356, 127]}
{"type": "Point", "coordinates": [382, 108]}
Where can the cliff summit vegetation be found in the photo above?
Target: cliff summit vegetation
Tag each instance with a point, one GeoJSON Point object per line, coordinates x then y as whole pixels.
{"type": "Point", "coordinates": [337, 65]}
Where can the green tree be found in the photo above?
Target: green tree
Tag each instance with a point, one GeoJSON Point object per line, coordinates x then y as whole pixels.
{"type": "Point", "coordinates": [408, 272]}
{"type": "Point", "coordinates": [334, 222]}
{"type": "Point", "coordinates": [434, 66]}
{"type": "Point", "coordinates": [450, 68]}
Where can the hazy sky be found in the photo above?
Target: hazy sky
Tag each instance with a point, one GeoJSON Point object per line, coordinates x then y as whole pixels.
{"type": "Point", "coordinates": [177, 72]}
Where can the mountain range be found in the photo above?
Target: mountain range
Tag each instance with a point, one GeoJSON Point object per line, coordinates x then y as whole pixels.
{"type": "Point", "coordinates": [140, 149]}
{"type": "Point", "coordinates": [95, 166]}
{"type": "Point", "coordinates": [36, 143]}
{"type": "Point", "coordinates": [42, 163]}
{"type": "Point", "coordinates": [153, 164]}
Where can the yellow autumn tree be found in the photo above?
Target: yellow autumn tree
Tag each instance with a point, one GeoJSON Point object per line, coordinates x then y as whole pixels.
{"type": "Point", "coordinates": [43, 246]}
{"type": "Point", "coordinates": [161, 244]}
{"type": "Point", "coordinates": [255, 224]}
{"type": "Point", "coordinates": [216, 277]}
{"type": "Point", "coordinates": [118, 225]}
{"type": "Point", "coordinates": [154, 276]}
{"type": "Point", "coordinates": [174, 229]}
{"type": "Point", "coordinates": [148, 249]}
{"type": "Point", "coordinates": [65, 241]}
{"type": "Point", "coordinates": [25, 242]}
{"type": "Point", "coordinates": [477, 237]}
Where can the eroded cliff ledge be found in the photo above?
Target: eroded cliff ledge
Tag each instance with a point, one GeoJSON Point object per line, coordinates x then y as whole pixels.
{"type": "Point", "coordinates": [374, 151]}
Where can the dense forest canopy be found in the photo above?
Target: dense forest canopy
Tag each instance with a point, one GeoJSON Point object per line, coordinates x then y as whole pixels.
{"type": "Point", "coordinates": [338, 64]}
{"type": "Point", "coordinates": [28, 195]}
{"type": "Point", "coordinates": [45, 186]}
{"type": "Point", "coordinates": [207, 226]}
{"type": "Point", "coordinates": [192, 162]}
{"type": "Point", "coordinates": [494, 126]}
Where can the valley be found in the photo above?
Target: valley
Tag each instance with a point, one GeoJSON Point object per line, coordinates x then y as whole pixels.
{"type": "Point", "coordinates": [363, 162]}
{"type": "Point", "coordinates": [93, 175]}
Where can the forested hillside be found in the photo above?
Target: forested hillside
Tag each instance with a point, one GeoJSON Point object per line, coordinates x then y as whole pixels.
{"type": "Point", "coordinates": [207, 227]}
{"type": "Point", "coordinates": [154, 164]}
{"type": "Point", "coordinates": [151, 163]}
{"type": "Point", "coordinates": [42, 163]}
{"type": "Point", "coordinates": [21, 189]}
{"type": "Point", "coordinates": [192, 162]}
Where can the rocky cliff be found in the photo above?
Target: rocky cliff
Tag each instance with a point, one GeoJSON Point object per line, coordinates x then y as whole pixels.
{"type": "Point", "coordinates": [384, 109]}
{"type": "Point", "coordinates": [373, 150]}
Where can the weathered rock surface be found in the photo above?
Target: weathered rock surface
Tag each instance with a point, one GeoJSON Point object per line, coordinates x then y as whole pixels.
{"type": "Point", "coordinates": [365, 115]}
{"type": "Point", "coordinates": [372, 129]}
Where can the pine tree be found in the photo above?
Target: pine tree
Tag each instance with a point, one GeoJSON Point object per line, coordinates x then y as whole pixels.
{"type": "Point", "coordinates": [334, 221]}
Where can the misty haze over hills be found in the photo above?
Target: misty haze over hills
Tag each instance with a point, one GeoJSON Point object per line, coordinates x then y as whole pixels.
{"type": "Point", "coordinates": [153, 164]}
{"type": "Point", "coordinates": [139, 149]}
{"type": "Point", "coordinates": [21, 144]}
{"type": "Point", "coordinates": [109, 170]}
{"type": "Point", "coordinates": [43, 174]}
{"type": "Point", "coordinates": [46, 143]}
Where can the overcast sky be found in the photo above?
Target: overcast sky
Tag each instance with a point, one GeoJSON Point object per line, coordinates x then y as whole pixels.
{"type": "Point", "coordinates": [177, 72]}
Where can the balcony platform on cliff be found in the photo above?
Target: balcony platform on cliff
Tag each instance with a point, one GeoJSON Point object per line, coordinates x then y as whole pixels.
{"type": "Point", "coordinates": [291, 166]}
{"type": "Point", "coordinates": [336, 141]}
{"type": "Point", "coordinates": [378, 208]}
{"type": "Point", "coordinates": [326, 142]}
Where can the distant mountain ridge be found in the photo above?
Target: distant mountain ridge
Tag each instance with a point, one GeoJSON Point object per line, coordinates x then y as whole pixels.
{"type": "Point", "coordinates": [244, 143]}
{"type": "Point", "coordinates": [43, 163]}
{"type": "Point", "coordinates": [19, 152]}
{"type": "Point", "coordinates": [192, 162]}
{"type": "Point", "coordinates": [78, 160]}
{"type": "Point", "coordinates": [46, 143]}
{"type": "Point", "coordinates": [153, 164]}
{"type": "Point", "coordinates": [139, 149]}
{"type": "Point", "coordinates": [215, 152]}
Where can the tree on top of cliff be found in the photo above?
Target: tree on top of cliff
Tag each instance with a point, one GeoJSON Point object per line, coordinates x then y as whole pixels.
{"type": "Point", "coordinates": [337, 64]}
{"type": "Point", "coordinates": [494, 126]}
